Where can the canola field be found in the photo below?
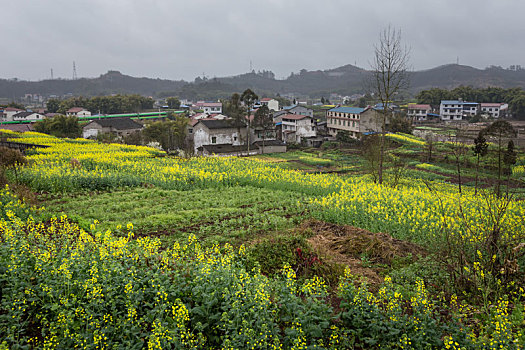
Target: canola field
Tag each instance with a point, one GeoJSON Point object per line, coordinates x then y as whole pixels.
{"type": "Point", "coordinates": [98, 280]}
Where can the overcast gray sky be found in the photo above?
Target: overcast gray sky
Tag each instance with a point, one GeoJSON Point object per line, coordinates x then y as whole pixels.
{"type": "Point", "coordinates": [176, 39]}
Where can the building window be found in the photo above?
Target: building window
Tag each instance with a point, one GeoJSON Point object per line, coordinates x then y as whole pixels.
{"type": "Point", "coordinates": [213, 139]}
{"type": "Point", "coordinates": [190, 131]}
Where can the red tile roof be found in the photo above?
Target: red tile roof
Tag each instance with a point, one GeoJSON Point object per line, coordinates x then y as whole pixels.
{"type": "Point", "coordinates": [419, 107]}
{"type": "Point", "coordinates": [75, 110]}
{"type": "Point", "coordinates": [18, 127]}
{"type": "Point", "coordinates": [294, 116]}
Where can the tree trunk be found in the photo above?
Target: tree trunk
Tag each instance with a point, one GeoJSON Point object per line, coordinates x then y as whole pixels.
{"type": "Point", "coordinates": [382, 145]}
{"type": "Point", "coordinates": [477, 175]}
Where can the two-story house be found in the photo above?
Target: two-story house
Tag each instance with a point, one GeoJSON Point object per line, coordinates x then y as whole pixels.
{"type": "Point", "coordinates": [418, 111]}
{"type": "Point", "coordinates": [355, 120]}
{"type": "Point", "coordinates": [293, 128]}
{"type": "Point", "coordinates": [78, 112]}
{"type": "Point", "coordinates": [494, 110]}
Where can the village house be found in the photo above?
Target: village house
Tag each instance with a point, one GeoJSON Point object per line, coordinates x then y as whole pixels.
{"type": "Point", "coordinates": [456, 110]}
{"type": "Point", "coordinates": [209, 107]}
{"type": "Point", "coordinates": [28, 116]}
{"type": "Point", "coordinates": [118, 126]}
{"type": "Point", "coordinates": [301, 110]}
{"type": "Point", "coordinates": [272, 104]}
{"type": "Point", "coordinates": [494, 110]}
{"type": "Point", "coordinates": [356, 121]}
{"type": "Point", "coordinates": [216, 132]}
{"type": "Point", "coordinates": [418, 112]}
{"type": "Point", "coordinates": [294, 128]}
{"type": "Point", "coordinates": [9, 112]}
{"type": "Point", "coordinates": [78, 112]}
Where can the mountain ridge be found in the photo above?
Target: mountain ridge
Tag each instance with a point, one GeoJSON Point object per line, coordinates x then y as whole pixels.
{"type": "Point", "coordinates": [346, 80]}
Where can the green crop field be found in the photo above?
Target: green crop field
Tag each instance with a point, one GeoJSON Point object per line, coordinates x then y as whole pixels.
{"type": "Point", "coordinates": [125, 247]}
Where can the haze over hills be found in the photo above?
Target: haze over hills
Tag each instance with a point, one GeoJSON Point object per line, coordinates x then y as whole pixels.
{"type": "Point", "coordinates": [344, 80]}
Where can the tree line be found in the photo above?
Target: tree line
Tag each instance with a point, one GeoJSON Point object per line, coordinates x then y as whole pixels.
{"type": "Point", "coordinates": [102, 104]}
{"type": "Point", "coordinates": [515, 97]}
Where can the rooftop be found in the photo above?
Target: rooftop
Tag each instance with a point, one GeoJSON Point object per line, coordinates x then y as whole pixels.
{"type": "Point", "coordinates": [75, 110]}
{"type": "Point", "coordinates": [117, 123]}
{"type": "Point", "coordinates": [416, 106]}
{"type": "Point", "coordinates": [294, 116]}
{"type": "Point", "coordinates": [218, 123]}
{"type": "Point", "coordinates": [456, 102]}
{"type": "Point", "coordinates": [352, 110]}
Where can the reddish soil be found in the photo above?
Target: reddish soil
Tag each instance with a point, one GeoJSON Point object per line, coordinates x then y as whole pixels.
{"type": "Point", "coordinates": [343, 244]}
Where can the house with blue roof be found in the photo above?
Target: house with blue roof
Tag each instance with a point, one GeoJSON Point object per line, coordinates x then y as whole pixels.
{"type": "Point", "coordinates": [456, 110]}
{"type": "Point", "coordinates": [354, 120]}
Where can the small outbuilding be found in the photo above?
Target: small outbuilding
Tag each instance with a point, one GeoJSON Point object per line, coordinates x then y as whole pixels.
{"type": "Point", "coordinates": [118, 126]}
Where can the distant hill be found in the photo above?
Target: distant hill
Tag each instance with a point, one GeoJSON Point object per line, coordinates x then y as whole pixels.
{"type": "Point", "coordinates": [345, 80]}
{"type": "Point", "coordinates": [453, 75]}
{"type": "Point", "coordinates": [113, 82]}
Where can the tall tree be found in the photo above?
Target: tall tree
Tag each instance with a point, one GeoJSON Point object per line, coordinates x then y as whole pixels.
{"type": "Point", "coordinates": [480, 149]}
{"type": "Point", "coordinates": [248, 98]}
{"type": "Point", "coordinates": [173, 102]}
{"type": "Point", "coordinates": [60, 126]}
{"type": "Point", "coordinates": [53, 105]}
{"type": "Point", "coordinates": [263, 121]}
{"type": "Point", "coordinates": [171, 134]}
{"type": "Point", "coordinates": [389, 77]}
{"type": "Point", "coordinates": [510, 157]}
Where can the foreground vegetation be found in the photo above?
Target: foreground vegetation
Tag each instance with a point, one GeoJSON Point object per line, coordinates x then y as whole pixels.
{"type": "Point", "coordinates": [165, 252]}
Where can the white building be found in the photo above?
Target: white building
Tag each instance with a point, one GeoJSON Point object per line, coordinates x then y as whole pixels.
{"type": "Point", "coordinates": [217, 132]}
{"type": "Point", "coordinates": [209, 107]}
{"type": "Point", "coordinates": [78, 112]}
{"type": "Point", "coordinates": [455, 110]}
{"type": "Point", "coordinates": [28, 116]}
{"type": "Point", "coordinates": [9, 112]}
{"type": "Point", "coordinates": [272, 104]}
{"type": "Point", "coordinates": [494, 110]}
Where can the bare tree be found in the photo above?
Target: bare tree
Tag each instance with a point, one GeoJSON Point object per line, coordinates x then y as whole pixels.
{"type": "Point", "coordinates": [389, 77]}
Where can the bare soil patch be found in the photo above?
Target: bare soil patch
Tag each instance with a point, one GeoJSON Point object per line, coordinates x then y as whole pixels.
{"type": "Point", "coordinates": [347, 245]}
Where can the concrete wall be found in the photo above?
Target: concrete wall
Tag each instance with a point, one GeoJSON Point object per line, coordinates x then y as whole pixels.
{"type": "Point", "coordinates": [91, 130]}
{"type": "Point", "coordinates": [204, 136]}
{"type": "Point", "coordinates": [305, 128]}
{"type": "Point", "coordinates": [371, 121]}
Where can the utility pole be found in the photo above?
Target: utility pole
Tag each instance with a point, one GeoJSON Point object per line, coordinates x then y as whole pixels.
{"type": "Point", "coordinates": [74, 71]}
{"type": "Point", "coordinates": [52, 74]}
